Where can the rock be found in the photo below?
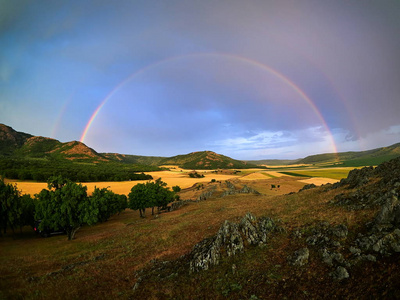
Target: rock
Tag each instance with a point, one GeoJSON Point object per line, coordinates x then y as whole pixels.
{"type": "Point", "coordinates": [307, 187]}
{"type": "Point", "coordinates": [249, 228]}
{"type": "Point", "coordinates": [355, 251]}
{"type": "Point", "coordinates": [340, 231]}
{"type": "Point", "coordinates": [248, 190]}
{"type": "Point", "coordinates": [300, 257]}
{"type": "Point", "coordinates": [230, 240]}
{"type": "Point", "coordinates": [340, 273]}
{"type": "Point", "coordinates": [229, 236]}
{"type": "Point", "coordinates": [389, 213]}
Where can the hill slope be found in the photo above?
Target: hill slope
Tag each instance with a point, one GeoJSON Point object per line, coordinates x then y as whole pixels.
{"type": "Point", "coordinates": [11, 140]}
{"type": "Point", "coordinates": [23, 145]}
{"type": "Point", "coordinates": [355, 159]}
{"type": "Point", "coordinates": [206, 160]}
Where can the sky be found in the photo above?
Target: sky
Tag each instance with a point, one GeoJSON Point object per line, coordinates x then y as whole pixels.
{"type": "Point", "coordinates": [250, 79]}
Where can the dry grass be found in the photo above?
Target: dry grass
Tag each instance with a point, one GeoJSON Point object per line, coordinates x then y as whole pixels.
{"type": "Point", "coordinates": [101, 262]}
{"type": "Point", "coordinates": [319, 180]}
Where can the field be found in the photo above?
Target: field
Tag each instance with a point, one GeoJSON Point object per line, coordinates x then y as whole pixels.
{"type": "Point", "coordinates": [177, 176]}
{"type": "Point", "coordinates": [103, 260]}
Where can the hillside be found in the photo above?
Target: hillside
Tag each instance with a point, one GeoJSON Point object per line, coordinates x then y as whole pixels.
{"type": "Point", "coordinates": [206, 160]}
{"type": "Point", "coordinates": [134, 159]}
{"type": "Point", "coordinates": [25, 146]}
{"type": "Point", "coordinates": [355, 158]}
{"type": "Point", "coordinates": [273, 162]}
{"type": "Point", "coordinates": [340, 240]}
{"type": "Point", "coordinates": [11, 140]}
{"type": "Point", "coordinates": [22, 145]}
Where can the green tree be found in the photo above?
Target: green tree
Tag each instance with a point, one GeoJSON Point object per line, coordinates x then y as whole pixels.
{"type": "Point", "coordinates": [28, 211]}
{"type": "Point", "coordinates": [10, 206]}
{"type": "Point", "coordinates": [176, 188]}
{"type": "Point", "coordinates": [138, 199]}
{"type": "Point", "coordinates": [151, 194]}
{"type": "Point", "coordinates": [102, 204]}
{"type": "Point", "coordinates": [62, 206]}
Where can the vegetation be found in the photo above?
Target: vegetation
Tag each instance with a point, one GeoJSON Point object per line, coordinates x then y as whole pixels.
{"type": "Point", "coordinates": [337, 173]}
{"type": "Point", "coordinates": [41, 169]}
{"type": "Point", "coordinates": [354, 159]}
{"type": "Point", "coordinates": [294, 174]}
{"type": "Point", "coordinates": [150, 194]}
{"type": "Point", "coordinates": [15, 210]}
{"type": "Point", "coordinates": [195, 175]}
{"type": "Point", "coordinates": [206, 160]}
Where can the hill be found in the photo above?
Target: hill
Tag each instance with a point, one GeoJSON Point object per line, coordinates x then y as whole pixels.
{"type": "Point", "coordinates": [11, 140]}
{"type": "Point", "coordinates": [354, 158]}
{"type": "Point", "coordinates": [340, 240]}
{"type": "Point", "coordinates": [206, 160]}
{"type": "Point", "coordinates": [23, 145]}
{"type": "Point", "coordinates": [273, 162]}
{"type": "Point", "coordinates": [134, 159]}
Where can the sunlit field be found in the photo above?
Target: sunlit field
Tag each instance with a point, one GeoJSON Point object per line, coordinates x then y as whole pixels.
{"type": "Point", "coordinates": [177, 176]}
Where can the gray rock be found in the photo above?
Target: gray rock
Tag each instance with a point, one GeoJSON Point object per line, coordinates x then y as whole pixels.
{"type": "Point", "coordinates": [300, 257]}
{"type": "Point", "coordinates": [230, 240]}
{"type": "Point", "coordinates": [340, 273]}
{"type": "Point", "coordinates": [249, 228]}
{"type": "Point", "coordinates": [340, 231]}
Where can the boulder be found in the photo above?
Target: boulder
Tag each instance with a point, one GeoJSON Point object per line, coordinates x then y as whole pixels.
{"type": "Point", "coordinates": [340, 273]}
{"type": "Point", "coordinates": [300, 257]}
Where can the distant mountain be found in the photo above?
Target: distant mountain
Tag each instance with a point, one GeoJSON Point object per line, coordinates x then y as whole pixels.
{"type": "Point", "coordinates": [23, 145]}
{"type": "Point", "coordinates": [207, 160]}
{"type": "Point", "coordinates": [355, 158]}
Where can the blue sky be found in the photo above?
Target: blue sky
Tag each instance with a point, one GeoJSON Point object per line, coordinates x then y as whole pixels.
{"type": "Point", "coordinates": [247, 79]}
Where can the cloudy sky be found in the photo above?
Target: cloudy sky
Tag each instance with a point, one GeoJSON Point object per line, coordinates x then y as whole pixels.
{"type": "Point", "coordinates": [248, 79]}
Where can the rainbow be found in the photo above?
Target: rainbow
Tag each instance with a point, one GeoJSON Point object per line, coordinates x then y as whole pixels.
{"type": "Point", "coordinates": [249, 61]}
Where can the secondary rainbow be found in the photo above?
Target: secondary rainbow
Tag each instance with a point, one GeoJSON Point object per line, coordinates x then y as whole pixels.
{"type": "Point", "coordinates": [255, 63]}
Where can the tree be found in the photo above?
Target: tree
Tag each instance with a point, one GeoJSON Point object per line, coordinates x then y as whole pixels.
{"type": "Point", "coordinates": [151, 194]}
{"type": "Point", "coordinates": [62, 207]}
{"type": "Point", "coordinates": [28, 211]}
{"type": "Point", "coordinates": [102, 204]}
{"type": "Point", "coordinates": [138, 199]}
{"type": "Point", "coordinates": [177, 188]}
{"type": "Point", "coordinates": [10, 206]}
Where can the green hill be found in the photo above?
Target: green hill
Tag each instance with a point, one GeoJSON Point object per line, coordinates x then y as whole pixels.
{"type": "Point", "coordinates": [207, 160]}
{"type": "Point", "coordinates": [354, 158]}
{"type": "Point", "coordinates": [134, 159]}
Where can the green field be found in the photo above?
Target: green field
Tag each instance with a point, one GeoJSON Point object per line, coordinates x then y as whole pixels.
{"type": "Point", "coordinates": [337, 173]}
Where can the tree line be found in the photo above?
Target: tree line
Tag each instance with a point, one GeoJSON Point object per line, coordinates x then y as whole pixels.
{"type": "Point", "coordinates": [41, 169]}
{"type": "Point", "coordinates": [65, 205]}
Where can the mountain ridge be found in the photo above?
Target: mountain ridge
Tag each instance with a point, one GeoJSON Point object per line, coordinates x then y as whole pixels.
{"type": "Point", "coordinates": [23, 145]}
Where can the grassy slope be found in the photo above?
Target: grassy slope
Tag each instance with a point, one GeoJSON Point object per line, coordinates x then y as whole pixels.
{"type": "Point", "coordinates": [355, 159]}
{"type": "Point", "coordinates": [205, 160]}
{"type": "Point", "coordinates": [102, 260]}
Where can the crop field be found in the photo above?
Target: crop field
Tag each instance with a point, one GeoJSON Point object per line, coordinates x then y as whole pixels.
{"type": "Point", "coordinates": [180, 177]}
{"type": "Point", "coordinates": [333, 173]}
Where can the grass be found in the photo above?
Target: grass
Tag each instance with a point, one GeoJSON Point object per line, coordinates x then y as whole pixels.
{"type": "Point", "coordinates": [337, 173]}
{"type": "Point", "coordinates": [102, 259]}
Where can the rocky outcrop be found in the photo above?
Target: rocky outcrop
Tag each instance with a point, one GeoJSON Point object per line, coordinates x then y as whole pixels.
{"type": "Point", "coordinates": [207, 194]}
{"type": "Point", "coordinates": [230, 240]}
{"type": "Point", "coordinates": [300, 257]}
{"type": "Point", "coordinates": [233, 191]}
{"type": "Point", "coordinates": [307, 187]}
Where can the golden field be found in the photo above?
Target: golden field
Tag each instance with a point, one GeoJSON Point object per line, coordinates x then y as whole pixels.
{"type": "Point", "coordinates": [177, 176]}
